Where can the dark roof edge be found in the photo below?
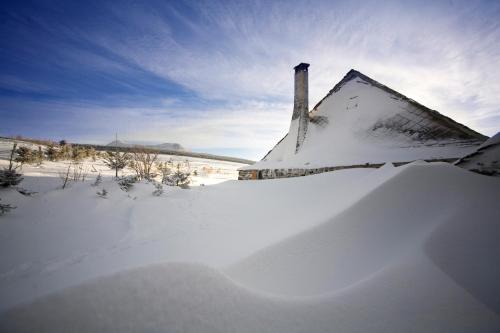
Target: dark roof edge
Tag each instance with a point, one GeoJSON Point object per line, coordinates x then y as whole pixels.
{"type": "Point", "coordinates": [276, 145]}
{"type": "Point", "coordinates": [352, 74]}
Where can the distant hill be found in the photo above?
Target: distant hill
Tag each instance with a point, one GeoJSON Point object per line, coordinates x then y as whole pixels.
{"type": "Point", "coordinates": [161, 146]}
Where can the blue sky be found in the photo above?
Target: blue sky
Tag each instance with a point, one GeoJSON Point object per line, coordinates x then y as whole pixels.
{"type": "Point", "coordinates": [217, 76]}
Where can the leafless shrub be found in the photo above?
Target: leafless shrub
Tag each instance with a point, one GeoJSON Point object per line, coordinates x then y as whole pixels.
{"type": "Point", "coordinates": [143, 161]}
{"type": "Point", "coordinates": [65, 176]}
{"type": "Point", "coordinates": [79, 172]}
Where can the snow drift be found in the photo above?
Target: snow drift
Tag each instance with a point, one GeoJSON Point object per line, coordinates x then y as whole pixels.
{"type": "Point", "coordinates": [382, 228]}
{"type": "Point", "coordinates": [416, 250]}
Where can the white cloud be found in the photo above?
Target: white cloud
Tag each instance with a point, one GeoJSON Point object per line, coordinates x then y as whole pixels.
{"type": "Point", "coordinates": [442, 55]}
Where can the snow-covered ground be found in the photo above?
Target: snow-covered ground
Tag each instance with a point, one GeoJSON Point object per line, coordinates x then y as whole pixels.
{"type": "Point", "coordinates": [413, 248]}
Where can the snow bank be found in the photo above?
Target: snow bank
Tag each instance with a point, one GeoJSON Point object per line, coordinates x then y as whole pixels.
{"type": "Point", "coordinates": [402, 249]}
{"type": "Point", "coordinates": [378, 231]}
{"type": "Point", "coordinates": [414, 296]}
{"type": "Point", "coordinates": [74, 235]}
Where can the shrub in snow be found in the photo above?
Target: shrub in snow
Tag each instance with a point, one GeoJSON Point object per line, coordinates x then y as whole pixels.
{"type": "Point", "coordinates": [165, 169]}
{"type": "Point", "coordinates": [9, 176]}
{"type": "Point", "coordinates": [102, 194]}
{"type": "Point", "coordinates": [74, 172]}
{"type": "Point", "coordinates": [92, 153]}
{"type": "Point", "coordinates": [178, 178]}
{"type": "Point", "coordinates": [5, 208]}
{"type": "Point", "coordinates": [79, 172]}
{"type": "Point", "coordinates": [116, 160]}
{"type": "Point", "coordinates": [78, 153]}
{"type": "Point", "coordinates": [25, 155]}
{"type": "Point", "coordinates": [143, 161]}
{"type": "Point", "coordinates": [65, 152]}
{"type": "Point", "coordinates": [126, 183]}
{"type": "Point", "coordinates": [52, 153]}
{"type": "Point", "coordinates": [65, 177]}
{"type": "Point", "coordinates": [98, 180]}
{"type": "Point", "coordinates": [39, 156]}
{"type": "Point", "coordinates": [158, 189]}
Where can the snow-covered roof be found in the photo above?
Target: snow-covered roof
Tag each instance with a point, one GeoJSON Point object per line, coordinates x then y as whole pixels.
{"type": "Point", "coordinates": [362, 121]}
{"type": "Point", "coordinates": [486, 159]}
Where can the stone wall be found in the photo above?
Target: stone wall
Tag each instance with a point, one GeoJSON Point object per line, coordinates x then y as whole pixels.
{"type": "Point", "coordinates": [295, 172]}
{"type": "Point", "coordinates": [300, 172]}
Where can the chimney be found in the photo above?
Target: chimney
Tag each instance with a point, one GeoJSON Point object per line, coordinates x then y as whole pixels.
{"type": "Point", "coordinates": [300, 116]}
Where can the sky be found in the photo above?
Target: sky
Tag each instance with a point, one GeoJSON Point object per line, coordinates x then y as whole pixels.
{"type": "Point", "coordinates": [217, 76]}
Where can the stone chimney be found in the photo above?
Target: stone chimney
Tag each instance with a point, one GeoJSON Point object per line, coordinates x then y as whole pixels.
{"type": "Point", "coordinates": [300, 116]}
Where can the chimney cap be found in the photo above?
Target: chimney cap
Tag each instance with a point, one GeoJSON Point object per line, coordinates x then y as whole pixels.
{"type": "Point", "coordinates": [301, 66]}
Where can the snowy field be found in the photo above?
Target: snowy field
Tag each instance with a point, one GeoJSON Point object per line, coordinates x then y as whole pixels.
{"type": "Point", "coordinates": [407, 249]}
{"type": "Point", "coordinates": [208, 171]}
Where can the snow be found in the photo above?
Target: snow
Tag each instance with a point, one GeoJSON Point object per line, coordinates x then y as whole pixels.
{"type": "Point", "coordinates": [365, 125]}
{"type": "Point", "coordinates": [486, 159]}
{"type": "Point", "coordinates": [215, 225]}
{"type": "Point", "coordinates": [209, 171]}
{"type": "Point", "coordinates": [494, 140]}
{"type": "Point", "coordinates": [412, 248]}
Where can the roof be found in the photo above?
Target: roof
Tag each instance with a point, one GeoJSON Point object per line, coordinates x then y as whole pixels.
{"type": "Point", "coordinates": [352, 74]}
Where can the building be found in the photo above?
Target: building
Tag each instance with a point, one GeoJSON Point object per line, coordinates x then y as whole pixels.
{"type": "Point", "coordinates": [360, 123]}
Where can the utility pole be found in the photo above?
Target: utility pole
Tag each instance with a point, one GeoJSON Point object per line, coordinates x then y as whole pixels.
{"type": "Point", "coordinates": [116, 155]}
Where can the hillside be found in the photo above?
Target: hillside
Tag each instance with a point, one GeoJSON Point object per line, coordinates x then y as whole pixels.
{"type": "Point", "coordinates": [161, 146]}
